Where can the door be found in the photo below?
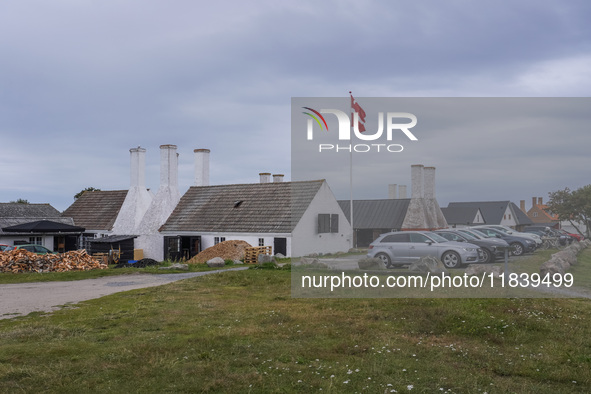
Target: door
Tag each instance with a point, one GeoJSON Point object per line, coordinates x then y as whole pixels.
{"type": "Point", "coordinates": [280, 246]}
{"type": "Point", "coordinates": [421, 246]}
{"type": "Point", "coordinates": [397, 247]}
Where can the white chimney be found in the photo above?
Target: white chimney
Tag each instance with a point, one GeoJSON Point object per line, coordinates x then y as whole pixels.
{"type": "Point", "coordinates": [138, 167]}
{"type": "Point", "coordinates": [278, 178]}
{"type": "Point", "coordinates": [402, 191]}
{"type": "Point", "coordinates": [265, 177]}
{"type": "Point", "coordinates": [417, 179]}
{"type": "Point", "coordinates": [201, 167]}
{"type": "Point", "coordinates": [392, 191]}
{"type": "Point", "coordinates": [169, 167]}
{"type": "Point", "coordinates": [429, 185]}
{"type": "Point", "coordinates": [138, 198]}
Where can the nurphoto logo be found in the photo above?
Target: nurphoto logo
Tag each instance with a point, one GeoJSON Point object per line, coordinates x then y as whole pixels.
{"type": "Point", "coordinates": [357, 124]}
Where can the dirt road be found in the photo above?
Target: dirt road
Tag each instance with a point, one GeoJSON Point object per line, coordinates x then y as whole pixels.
{"type": "Point", "coordinates": [23, 298]}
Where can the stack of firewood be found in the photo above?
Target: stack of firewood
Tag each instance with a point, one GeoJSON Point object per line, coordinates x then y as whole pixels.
{"type": "Point", "coordinates": [24, 261]}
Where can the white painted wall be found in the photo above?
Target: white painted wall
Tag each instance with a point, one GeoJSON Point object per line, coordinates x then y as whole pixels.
{"type": "Point", "coordinates": [306, 239]}
{"type": "Point", "coordinates": [508, 218]}
{"type": "Point", "coordinates": [47, 240]}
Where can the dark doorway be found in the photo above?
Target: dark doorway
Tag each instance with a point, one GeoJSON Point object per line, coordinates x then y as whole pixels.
{"type": "Point", "coordinates": [280, 246]}
{"type": "Point", "coordinates": [181, 248]}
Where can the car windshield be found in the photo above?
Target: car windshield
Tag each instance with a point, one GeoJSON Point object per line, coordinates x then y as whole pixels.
{"type": "Point", "coordinates": [502, 230]}
{"type": "Point", "coordinates": [437, 238]}
{"type": "Point", "coordinates": [468, 236]}
{"type": "Point", "coordinates": [480, 233]}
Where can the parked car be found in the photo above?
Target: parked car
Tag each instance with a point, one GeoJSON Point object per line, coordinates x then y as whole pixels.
{"type": "Point", "coordinates": [574, 236]}
{"type": "Point", "coordinates": [520, 245]}
{"type": "Point", "coordinates": [405, 247]}
{"type": "Point", "coordinates": [32, 248]}
{"type": "Point", "coordinates": [489, 246]}
{"type": "Point", "coordinates": [4, 247]}
{"type": "Point", "coordinates": [510, 231]}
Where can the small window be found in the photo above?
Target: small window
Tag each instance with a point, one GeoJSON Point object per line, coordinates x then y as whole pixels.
{"type": "Point", "coordinates": [36, 240]}
{"type": "Point", "coordinates": [261, 241]}
{"type": "Point", "coordinates": [535, 214]}
{"type": "Point", "coordinates": [328, 223]}
{"type": "Point", "coordinates": [217, 240]}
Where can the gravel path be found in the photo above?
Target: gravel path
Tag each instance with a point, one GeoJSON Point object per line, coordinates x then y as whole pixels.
{"type": "Point", "coordinates": [20, 299]}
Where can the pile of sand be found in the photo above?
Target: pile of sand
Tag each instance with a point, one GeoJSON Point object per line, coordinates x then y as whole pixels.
{"type": "Point", "coordinates": [227, 250]}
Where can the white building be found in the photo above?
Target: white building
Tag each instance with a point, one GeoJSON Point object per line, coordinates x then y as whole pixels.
{"type": "Point", "coordinates": [295, 218]}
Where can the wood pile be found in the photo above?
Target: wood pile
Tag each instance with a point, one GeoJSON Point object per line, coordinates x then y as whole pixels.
{"type": "Point", "coordinates": [227, 250]}
{"type": "Point", "coordinates": [252, 254]}
{"type": "Point", "coordinates": [21, 260]}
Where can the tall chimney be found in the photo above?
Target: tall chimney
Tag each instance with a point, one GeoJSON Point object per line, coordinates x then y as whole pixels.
{"type": "Point", "coordinates": [138, 167]}
{"type": "Point", "coordinates": [429, 182]}
{"type": "Point", "coordinates": [522, 205]}
{"type": "Point", "coordinates": [417, 179]}
{"type": "Point", "coordinates": [539, 200]}
{"type": "Point", "coordinates": [392, 191]}
{"type": "Point", "coordinates": [169, 167]}
{"type": "Point", "coordinates": [402, 191]}
{"type": "Point", "coordinates": [278, 178]}
{"type": "Point", "coordinates": [201, 167]}
{"type": "Point", "coordinates": [533, 202]}
{"type": "Point", "coordinates": [265, 177]}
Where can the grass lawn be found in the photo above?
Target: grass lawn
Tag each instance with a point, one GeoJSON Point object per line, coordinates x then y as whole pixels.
{"type": "Point", "coordinates": [242, 332]}
{"type": "Point", "coordinates": [26, 277]}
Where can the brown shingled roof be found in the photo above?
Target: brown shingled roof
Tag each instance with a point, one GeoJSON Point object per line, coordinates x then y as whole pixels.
{"type": "Point", "coordinates": [96, 210]}
{"type": "Point", "coordinates": [257, 207]}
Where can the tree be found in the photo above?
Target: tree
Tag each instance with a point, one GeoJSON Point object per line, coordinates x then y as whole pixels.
{"type": "Point", "coordinates": [88, 189]}
{"type": "Point", "coordinates": [572, 206]}
{"type": "Point", "coordinates": [20, 201]}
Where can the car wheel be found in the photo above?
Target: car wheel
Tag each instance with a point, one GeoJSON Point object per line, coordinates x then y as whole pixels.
{"type": "Point", "coordinates": [488, 256]}
{"type": "Point", "coordinates": [517, 249]}
{"type": "Point", "coordinates": [451, 259]}
{"type": "Point", "coordinates": [385, 259]}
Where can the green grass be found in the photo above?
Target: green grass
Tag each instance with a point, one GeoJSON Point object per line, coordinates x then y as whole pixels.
{"type": "Point", "coordinates": [26, 277]}
{"type": "Point", "coordinates": [242, 332]}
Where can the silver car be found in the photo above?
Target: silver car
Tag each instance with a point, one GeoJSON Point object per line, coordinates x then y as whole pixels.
{"type": "Point", "coordinates": [405, 247]}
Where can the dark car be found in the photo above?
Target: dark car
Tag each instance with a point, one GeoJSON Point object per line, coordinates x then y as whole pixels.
{"type": "Point", "coordinates": [489, 246]}
{"type": "Point", "coordinates": [520, 245]}
{"type": "Point", "coordinates": [32, 248]}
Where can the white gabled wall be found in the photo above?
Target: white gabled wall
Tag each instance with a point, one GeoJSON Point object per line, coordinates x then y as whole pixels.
{"type": "Point", "coordinates": [508, 218]}
{"type": "Point", "coordinates": [306, 240]}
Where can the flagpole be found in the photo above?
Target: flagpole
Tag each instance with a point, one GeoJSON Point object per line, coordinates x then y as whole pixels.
{"type": "Point", "coordinates": [351, 181]}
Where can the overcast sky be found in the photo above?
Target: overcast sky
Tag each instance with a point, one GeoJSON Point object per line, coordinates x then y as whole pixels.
{"type": "Point", "coordinates": [82, 82]}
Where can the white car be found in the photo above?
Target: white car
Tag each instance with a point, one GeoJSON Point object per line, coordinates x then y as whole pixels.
{"type": "Point", "coordinates": [510, 231]}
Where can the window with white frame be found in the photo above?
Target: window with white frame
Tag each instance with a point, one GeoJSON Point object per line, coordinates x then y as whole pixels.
{"type": "Point", "coordinates": [261, 241]}
{"type": "Point", "coordinates": [36, 240]}
{"type": "Point", "coordinates": [217, 240]}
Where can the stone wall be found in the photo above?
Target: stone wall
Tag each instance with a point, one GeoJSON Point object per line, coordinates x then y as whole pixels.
{"type": "Point", "coordinates": [561, 261]}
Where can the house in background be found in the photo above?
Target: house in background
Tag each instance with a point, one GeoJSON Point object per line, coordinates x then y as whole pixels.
{"type": "Point", "coordinates": [463, 216]}
{"type": "Point", "coordinates": [538, 214]}
{"type": "Point", "coordinates": [421, 212]}
{"type": "Point", "coordinates": [491, 212]}
{"type": "Point", "coordinates": [39, 224]}
{"type": "Point", "coordinates": [96, 211]}
{"type": "Point", "coordinates": [295, 218]}
{"type": "Point", "coordinates": [374, 217]}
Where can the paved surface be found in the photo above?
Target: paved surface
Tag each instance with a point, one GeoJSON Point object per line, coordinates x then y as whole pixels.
{"type": "Point", "coordinates": [20, 299]}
